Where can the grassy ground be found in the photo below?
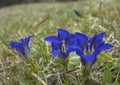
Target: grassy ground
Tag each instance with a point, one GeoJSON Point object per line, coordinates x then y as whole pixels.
{"type": "Point", "coordinates": [41, 20]}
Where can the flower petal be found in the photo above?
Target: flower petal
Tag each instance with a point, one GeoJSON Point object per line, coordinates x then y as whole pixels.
{"type": "Point", "coordinates": [81, 35]}
{"type": "Point", "coordinates": [93, 39]}
{"type": "Point", "coordinates": [13, 44]}
{"type": "Point", "coordinates": [71, 35]}
{"type": "Point", "coordinates": [71, 49]}
{"type": "Point", "coordinates": [88, 60]}
{"type": "Point", "coordinates": [62, 34]}
{"type": "Point", "coordinates": [56, 46]}
{"type": "Point", "coordinates": [92, 42]}
{"type": "Point", "coordinates": [100, 36]}
{"type": "Point", "coordinates": [21, 50]}
{"type": "Point", "coordinates": [105, 46]}
{"type": "Point", "coordinates": [27, 40]}
{"type": "Point", "coordinates": [55, 52]}
{"type": "Point", "coordinates": [75, 45]}
{"type": "Point", "coordinates": [96, 41]}
{"type": "Point", "coordinates": [52, 39]}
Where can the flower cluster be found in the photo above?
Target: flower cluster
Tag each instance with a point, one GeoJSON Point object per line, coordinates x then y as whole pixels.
{"type": "Point", "coordinates": [85, 47]}
{"type": "Point", "coordinates": [64, 43]}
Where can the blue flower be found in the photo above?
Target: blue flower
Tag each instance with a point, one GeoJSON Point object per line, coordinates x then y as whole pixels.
{"type": "Point", "coordinates": [88, 49]}
{"type": "Point", "coordinates": [22, 46]}
{"type": "Point", "coordinates": [60, 43]}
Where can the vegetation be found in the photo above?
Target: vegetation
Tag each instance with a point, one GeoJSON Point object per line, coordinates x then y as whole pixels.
{"type": "Point", "coordinates": [4, 3]}
{"type": "Point", "coordinates": [42, 20]}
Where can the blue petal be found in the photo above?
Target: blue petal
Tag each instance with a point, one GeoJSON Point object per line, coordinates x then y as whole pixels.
{"type": "Point", "coordinates": [21, 50]}
{"type": "Point", "coordinates": [56, 46]}
{"type": "Point", "coordinates": [75, 45]}
{"type": "Point", "coordinates": [77, 41]}
{"type": "Point", "coordinates": [52, 39]}
{"type": "Point", "coordinates": [81, 35]}
{"type": "Point", "coordinates": [55, 52]}
{"type": "Point", "coordinates": [97, 40]}
{"type": "Point", "coordinates": [19, 47]}
{"type": "Point", "coordinates": [79, 44]}
{"type": "Point", "coordinates": [62, 34]}
{"type": "Point", "coordinates": [100, 36]}
{"type": "Point", "coordinates": [72, 49]}
{"type": "Point", "coordinates": [73, 41]}
{"type": "Point", "coordinates": [88, 60]}
{"type": "Point", "coordinates": [94, 54]}
{"type": "Point", "coordinates": [105, 46]}
{"type": "Point", "coordinates": [93, 39]}
{"type": "Point", "coordinates": [92, 42]}
{"type": "Point", "coordinates": [99, 44]}
{"type": "Point", "coordinates": [27, 40]}
{"type": "Point", "coordinates": [71, 35]}
{"type": "Point", "coordinates": [13, 44]}
{"type": "Point", "coordinates": [79, 52]}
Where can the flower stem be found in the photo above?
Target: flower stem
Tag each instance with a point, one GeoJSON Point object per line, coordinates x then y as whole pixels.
{"type": "Point", "coordinates": [64, 63]}
{"type": "Point", "coordinates": [86, 75]}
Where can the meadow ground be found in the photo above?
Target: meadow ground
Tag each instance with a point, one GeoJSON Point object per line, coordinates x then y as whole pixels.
{"type": "Point", "coordinates": [43, 19]}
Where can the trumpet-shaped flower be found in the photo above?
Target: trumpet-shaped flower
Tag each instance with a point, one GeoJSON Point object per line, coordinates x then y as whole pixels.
{"type": "Point", "coordinates": [88, 49]}
{"type": "Point", "coordinates": [22, 46]}
{"type": "Point", "coordinates": [60, 43]}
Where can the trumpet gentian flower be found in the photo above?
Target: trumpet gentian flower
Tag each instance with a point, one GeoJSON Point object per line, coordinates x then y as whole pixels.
{"type": "Point", "coordinates": [88, 49]}
{"type": "Point", "coordinates": [22, 46]}
{"type": "Point", "coordinates": [60, 43]}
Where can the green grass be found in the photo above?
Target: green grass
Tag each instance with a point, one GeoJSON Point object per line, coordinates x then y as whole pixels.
{"type": "Point", "coordinates": [42, 69]}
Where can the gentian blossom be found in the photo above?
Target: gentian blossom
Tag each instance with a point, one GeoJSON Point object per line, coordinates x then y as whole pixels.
{"type": "Point", "coordinates": [60, 43]}
{"type": "Point", "coordinates": [22, 46]}
{"type": "Point", "coordinates": [88, 49]}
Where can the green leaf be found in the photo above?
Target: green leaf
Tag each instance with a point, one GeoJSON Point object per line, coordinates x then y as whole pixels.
{"type": "Point", "coordinates": [106, 77]}
{"type": "Point", "coordinates": [116, 65]}
{"type": "Point", "coordinates": [99, 60]}
{"type": "Point", "coordinates": [106, 56]}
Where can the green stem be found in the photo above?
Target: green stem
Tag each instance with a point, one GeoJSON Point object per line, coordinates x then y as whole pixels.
{"type": "Point", "coordinates": [64, 63]}
{"type": "Point", "coordinates": [85, 75]}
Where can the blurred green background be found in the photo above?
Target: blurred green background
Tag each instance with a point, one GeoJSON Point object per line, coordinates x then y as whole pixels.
{"type": "Point", "coordinates": [4, 3]}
